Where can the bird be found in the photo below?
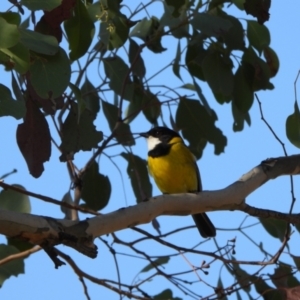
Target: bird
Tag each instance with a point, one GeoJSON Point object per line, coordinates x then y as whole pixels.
{"type": "Point", "coordinates": [174, 169]}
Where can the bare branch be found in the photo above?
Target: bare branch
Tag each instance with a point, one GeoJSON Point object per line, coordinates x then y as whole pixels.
{"type": "Point", "coordinates": [99, 281]}
{"type": "Point", "coordinates": [48, 232]}
{"type": "Point", "coordinates": [19, 255]}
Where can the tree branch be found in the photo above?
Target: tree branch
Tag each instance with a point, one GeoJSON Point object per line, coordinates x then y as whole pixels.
{"type": "Point", "coordinates": [48, 232]}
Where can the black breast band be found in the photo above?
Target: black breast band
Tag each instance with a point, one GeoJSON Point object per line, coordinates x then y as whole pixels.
{"type": "Point", "coordinates": [161, 149]}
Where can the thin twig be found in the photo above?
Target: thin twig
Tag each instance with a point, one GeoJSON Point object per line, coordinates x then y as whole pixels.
{"type": "Point", "coordinates": [20, 255]}
{"type": "Point", "coordinates": [47, 199]}
{"type": "Point", "coordinates": [93, 279]}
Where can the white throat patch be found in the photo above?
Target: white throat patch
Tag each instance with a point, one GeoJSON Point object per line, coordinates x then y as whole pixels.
{"type": "Point", "coordinates": [152, 142]}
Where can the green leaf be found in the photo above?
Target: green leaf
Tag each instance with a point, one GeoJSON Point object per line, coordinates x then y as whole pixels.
{"type": "Point", "coordinates": [218, 74]}
{"type": "Point", "coordinates": [94, 11]}
{"type": "Point", "coordinates": [122, 133]}
{"type": "Point", "coordinates": [139, 176]}
{"type": "Point", "coordinates": [12, 200]}
{"type": "Point", "coordinates": [142, 29]}
{"type": "Point", "coordinates": [150, 31]}
{"type": "Point", "coordinates": [297, 227]}
{"type": "Point", "coordinates": [135, 106]}
{"type": "Point", "coordinates": [202, 98]}
{"type": "Point", "coordinates": [90, 96]}
{"type": "Point", "coordinates": [272, 60]}
{"type": "Point", "coordinates": [176, 67]}
{"type": "Point", "coordinates": [151, 107]}
{"type": "Point", "coordinates": [195, 55]}
{"type": "Point", "coordinates": [12, 268]}
{"type": "Point", "coordinates": [266, 291]}
{"type": "Point", "coordinates": [198, 127]}
{"type": "Point", "coordinates": [135, 59]}
{"type": "Point", "coordinates": [111, 114]}
{"type": "Point", "coordinates": [96, 188]}
{"type": "Point", "coordinates": [80, 135]}
{"type": "Point", "coordinates": [243, 95]}
{"type": "Point", "coordinates": [275, 228]}
{"type": "Point", "coordinates": [9, 106]}
{"type": "Point", "coordinates": [19, 57]}
{"type": "Point", "coordinates": [240, 275]}
{"type": "Point", "coordinates": [234, 37]}
{"type": "Point", "coordinates": [258, 35]}
{"type": "Point", "coordinates": [239, 118]}
{"type": "Point", "coordinates": [220, 289]}
{"type": "Point", "coordinates": [9, 34]}
{"type": "Point", "coordinates": [50, 75]}
{"type": "Point", "coordinates": [16, 89]}
{"type": "Point", "coordinates": [67, 198]}
{"type": "Point", "coordinates": [166, 294]}
{"type": "Point", "coordinates": [296, 260]}
{"type": "Point", "coordinates": [25, 24]}
{"type": "Point", "coordinates": [157, 262]}
{"type": "Point", "coordinates": [11, 17]}
{"type": "Point", "coordinates": [80, 30]}
{"type": "Point", "coordinates": [239, 4]}
{"type": "Point", "coordinates": [260, 68]}
{"type": "Point", "coordinates": [215, 4]}
{"type": "Point", "coordinates": [112, 5]}
{"type": "Point", "coordinates": [118, 73]}
{"type": "Point", "coordinates": [81, 104]}
{"type": "Point", "coordinates": [40, 43]}
{"type": "Point", "coordinates": [114, 30]}
{"type": "Point", "coordinates": [283, 277]}
{"type": "Point", "coordinates": [177, 5]}
{"type": "Point", "coordinates": [104, 35]}
{"type": "Point", "coordinates": [178, 26]}
{"type": "Point", "coordinates": [41, 4]}
{"type": "Point", "coordinates": [211, 25]}
{"type": "Point", "coordinates": [188, 86]}
{"type": "Point", "coordinates": [131, 111]}
{"type": "Point", "coordinates": [19, 244]}
{"type": "Point", "coordinates": [5, 60]}
{"type": "Point", "coordinates": [154, 37]}
{"type": "Point", "coordinates": [292, 126]}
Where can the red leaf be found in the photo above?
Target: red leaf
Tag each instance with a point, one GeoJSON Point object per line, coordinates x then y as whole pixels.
{"type": "Point", "coordinates": [59, 14]}
{"type": "Point", "coordinates": [258, 9]}
{"type": "Point", "coordinates": [44, 27]}
{"type": "Point", "coordinates": [292, 293]}
{"type": "Point", "coordinates": [51, 20]}
{"type": "Point", "coordinates": [33, 138]}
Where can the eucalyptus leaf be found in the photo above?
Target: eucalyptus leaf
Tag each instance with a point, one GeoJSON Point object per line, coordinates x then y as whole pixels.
{"type": "Point", "coordinates": [9, 106]}
{"type": "Point", "coordinates": [96, 188]}
{"type": "Point", "coordinates": [292, 126]}
{"type": "Point", "coordinates": [11, 268]}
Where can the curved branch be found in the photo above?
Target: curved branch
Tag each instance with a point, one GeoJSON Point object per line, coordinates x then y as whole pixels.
{"type": "Point", "coordinates": [47, 232]}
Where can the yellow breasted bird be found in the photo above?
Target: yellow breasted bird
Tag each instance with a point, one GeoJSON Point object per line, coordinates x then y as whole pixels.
{"type": "Point", "coordinates": [174, 170]}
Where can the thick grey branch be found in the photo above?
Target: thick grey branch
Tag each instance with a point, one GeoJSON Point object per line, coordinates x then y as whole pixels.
{"type": "Point", "coordinates": [47, 232]}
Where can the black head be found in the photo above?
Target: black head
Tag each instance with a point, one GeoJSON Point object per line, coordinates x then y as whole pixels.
{"type": "Point", "coordinates": [164, 134]}
{"type": "Point", "coordinates": [158, 139]}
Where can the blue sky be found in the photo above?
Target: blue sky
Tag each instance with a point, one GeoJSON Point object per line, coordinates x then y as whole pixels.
{"type": "Point", "coordinates": [244, 151]}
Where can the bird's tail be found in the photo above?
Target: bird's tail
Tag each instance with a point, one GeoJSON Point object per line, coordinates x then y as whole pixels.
{"type": "Point", "coordinates": [204, 225]}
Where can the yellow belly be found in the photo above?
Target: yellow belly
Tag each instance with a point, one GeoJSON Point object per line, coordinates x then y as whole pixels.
{"type": "Point", "coordinates": [176, 172]}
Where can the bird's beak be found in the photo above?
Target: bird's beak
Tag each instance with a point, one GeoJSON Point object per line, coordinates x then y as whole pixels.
{"type": "Point", "coordinates": [144, 134]}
